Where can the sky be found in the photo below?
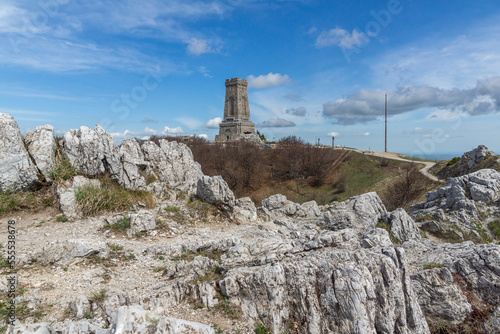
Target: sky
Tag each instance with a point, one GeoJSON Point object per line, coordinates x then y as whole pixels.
{"type": "Point", "coordinates": [316, 69]}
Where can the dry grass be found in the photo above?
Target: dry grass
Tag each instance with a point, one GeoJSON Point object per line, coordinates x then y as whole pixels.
{"type": "Point", "coordinates": [31, 201]}
{"type": "Point", "coordinates": [110, 197]}
{"type": "Point", "coordinates": [63, 170]}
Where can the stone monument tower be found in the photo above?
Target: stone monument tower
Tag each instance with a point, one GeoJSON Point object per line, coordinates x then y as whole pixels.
{"type": "Point", "coordinates": [236, 124]}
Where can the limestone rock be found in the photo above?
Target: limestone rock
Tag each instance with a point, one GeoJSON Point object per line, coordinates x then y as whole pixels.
{"type": "Point", "coordinates": [309, 209]}
{"type": "Point", "coordinates": [80, 307]}
{"type": "Point", "coordinates": [245, 210]}
{"type": "Point", "coordinates": [277, 206]}
{"type": "Point", "coordinates": [478, 264]}
{"type": "Point", "coordinates": [439, 297]}
{"type": "Point", "coordinates": [66, 251]}
{"type": "Point", "coordinates": [476, 156]}
{"type": "Point", "coordinates": [142, 221]}
{"type": "Point", "coordinates": [492, 324]}
{"type": "Point", "coordinates": [329, 290]}
{"type": "Point", "coordinates": [135, 320]}
{"type": "Point", "coordinates": [359, 212]}
{"type": "Point", "coordinates": [403, 226]}
{"type": "Point", "coordinates": [461, 192]}
{"type": "Point", "coordinates": [42, 147]}
{"type": "Point", "coordinates": [17, 171]}
{"type": "Point", "coordinates": [92, 152]}
{"type": "Point", "coordinates": [214, 190]}
{"type": "Point", "coordinates": [173, 164]}
{"type": "Point", "coordinates": [133, 162]}
{"type": "Point", "coordinates": [378, 237]}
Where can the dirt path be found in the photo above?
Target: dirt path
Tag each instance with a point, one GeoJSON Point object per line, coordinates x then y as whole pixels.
{"type": "Point", "coordinates": [395, 156]}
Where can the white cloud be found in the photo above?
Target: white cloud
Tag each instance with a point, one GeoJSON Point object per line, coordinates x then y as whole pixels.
{"type": "Point", "coordinates": [270, 80]}
{"type": "Point", "coordinates": [333, 134]}
{"type": "Point", "coordinates": [276, 123]}
{"type": "Point", "coordinates": [198, 47]}
{"type": "Point", "coordinates": [172, 131]}
{"type": "Point", "coordinates": [213, 123]}
{"type": "Point", "coordinates": [342, 38]}
{"type": "Point", "coordinates": [364, 134]}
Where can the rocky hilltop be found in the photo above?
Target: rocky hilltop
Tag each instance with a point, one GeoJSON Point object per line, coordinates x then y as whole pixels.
{"type": "Point", "coordinates": [198, 260]}
{"type": "Point", "coordinates": [478, 158]}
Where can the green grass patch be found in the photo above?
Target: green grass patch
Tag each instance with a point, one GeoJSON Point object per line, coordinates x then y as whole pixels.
{"type": "Point", "coordinates": [494, 227]}
{"type": "Point", "coordinates": [63, 170]}
{"type": "Point", "coordinates": [62, 219]}
{"type": "Point", "coordinates": [171, 208]}
{"type": "Point", "coordinates": [387, 227]}
{"type": "Point", "coordinates": [109, 197]}
{"type": "Point", "coordinates": [453, 161]}
{"type": "Point", "coordinates": [433, 265]}
{"type": "Point", "coordinates": [261, 329]}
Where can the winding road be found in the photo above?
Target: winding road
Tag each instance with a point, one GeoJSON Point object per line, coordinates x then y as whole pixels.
{"type": "Point", "coordinates": [396, 156]}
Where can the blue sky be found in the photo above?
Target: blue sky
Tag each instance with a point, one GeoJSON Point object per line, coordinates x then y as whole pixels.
{"type": "Point", "coordinates": [315, 68]}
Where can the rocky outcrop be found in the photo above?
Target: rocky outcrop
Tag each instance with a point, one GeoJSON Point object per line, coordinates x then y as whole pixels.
{"type": "Point", "coordinates": [439, 297]}
{"type": "Point", "coordinates": [128, 320]}
{"type": "Point", "coordinates": [173, 164]}
{"type": "Point", "coordinates": [214, 190]}
{"type": "Point", "coordinates": [92, 152]}
{"type": "Point", "coordinates": [479, 265]}
{"type": "Point", "coordinates": [133, 163]}
{"type": "Point", "coordinates": [461, 192]}
{"type": "Point", "coordinates": [360, 212]}
{"type": "Point", "coordinates": [278, 206]}
{"type": "Point", "coordinates": [64, 252]}
{"type": "Point", "coordinates": [17, 170]}
{"type": "Point", "coordinates": [403, 227]}
{"type": "Point", "coordinates": [135, 320]}
{"type": "Point", "coordinates": [377, 237]}
{"type": "Point", "coordinates": [245, 210]}
{"type": "Point", "coordinates": [336, 288]}
{"type": "Point", "coordinates": [42, 147]}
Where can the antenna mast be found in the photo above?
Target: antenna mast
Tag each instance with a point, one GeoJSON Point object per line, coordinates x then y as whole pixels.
{"type": "Point", "coordinates": [386, 122]}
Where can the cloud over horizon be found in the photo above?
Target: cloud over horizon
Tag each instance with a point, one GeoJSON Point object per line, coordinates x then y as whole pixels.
{"type": "Point", "coordinates": [276, 123]}
{"type": "Point", "coordinates": [367, 105]}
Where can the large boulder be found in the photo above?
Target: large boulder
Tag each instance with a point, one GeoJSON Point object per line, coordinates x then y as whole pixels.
{"type": "Point", "coordinates": [42, 147]}
{"type": "Point", "coordinates": [92, 152]}
{"type": "Point", "coordinates": [17, 170]}
{"type": "Point", "coordinates": [214, 190]}
{"type": "Point", "coordinates": [360, 212]}
{"type": "Point", "coordinates": [403, 227]}
{"type": "Point", "coordinates": [173, 163]}
{"type": "Point", "coordinates": [245, 210]}
{"type": "Point", "coordinates": [66, 251]}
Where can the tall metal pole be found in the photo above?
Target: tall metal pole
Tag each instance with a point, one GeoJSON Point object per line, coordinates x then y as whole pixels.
{"type": "Point", "coordinates": [386, 122]}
